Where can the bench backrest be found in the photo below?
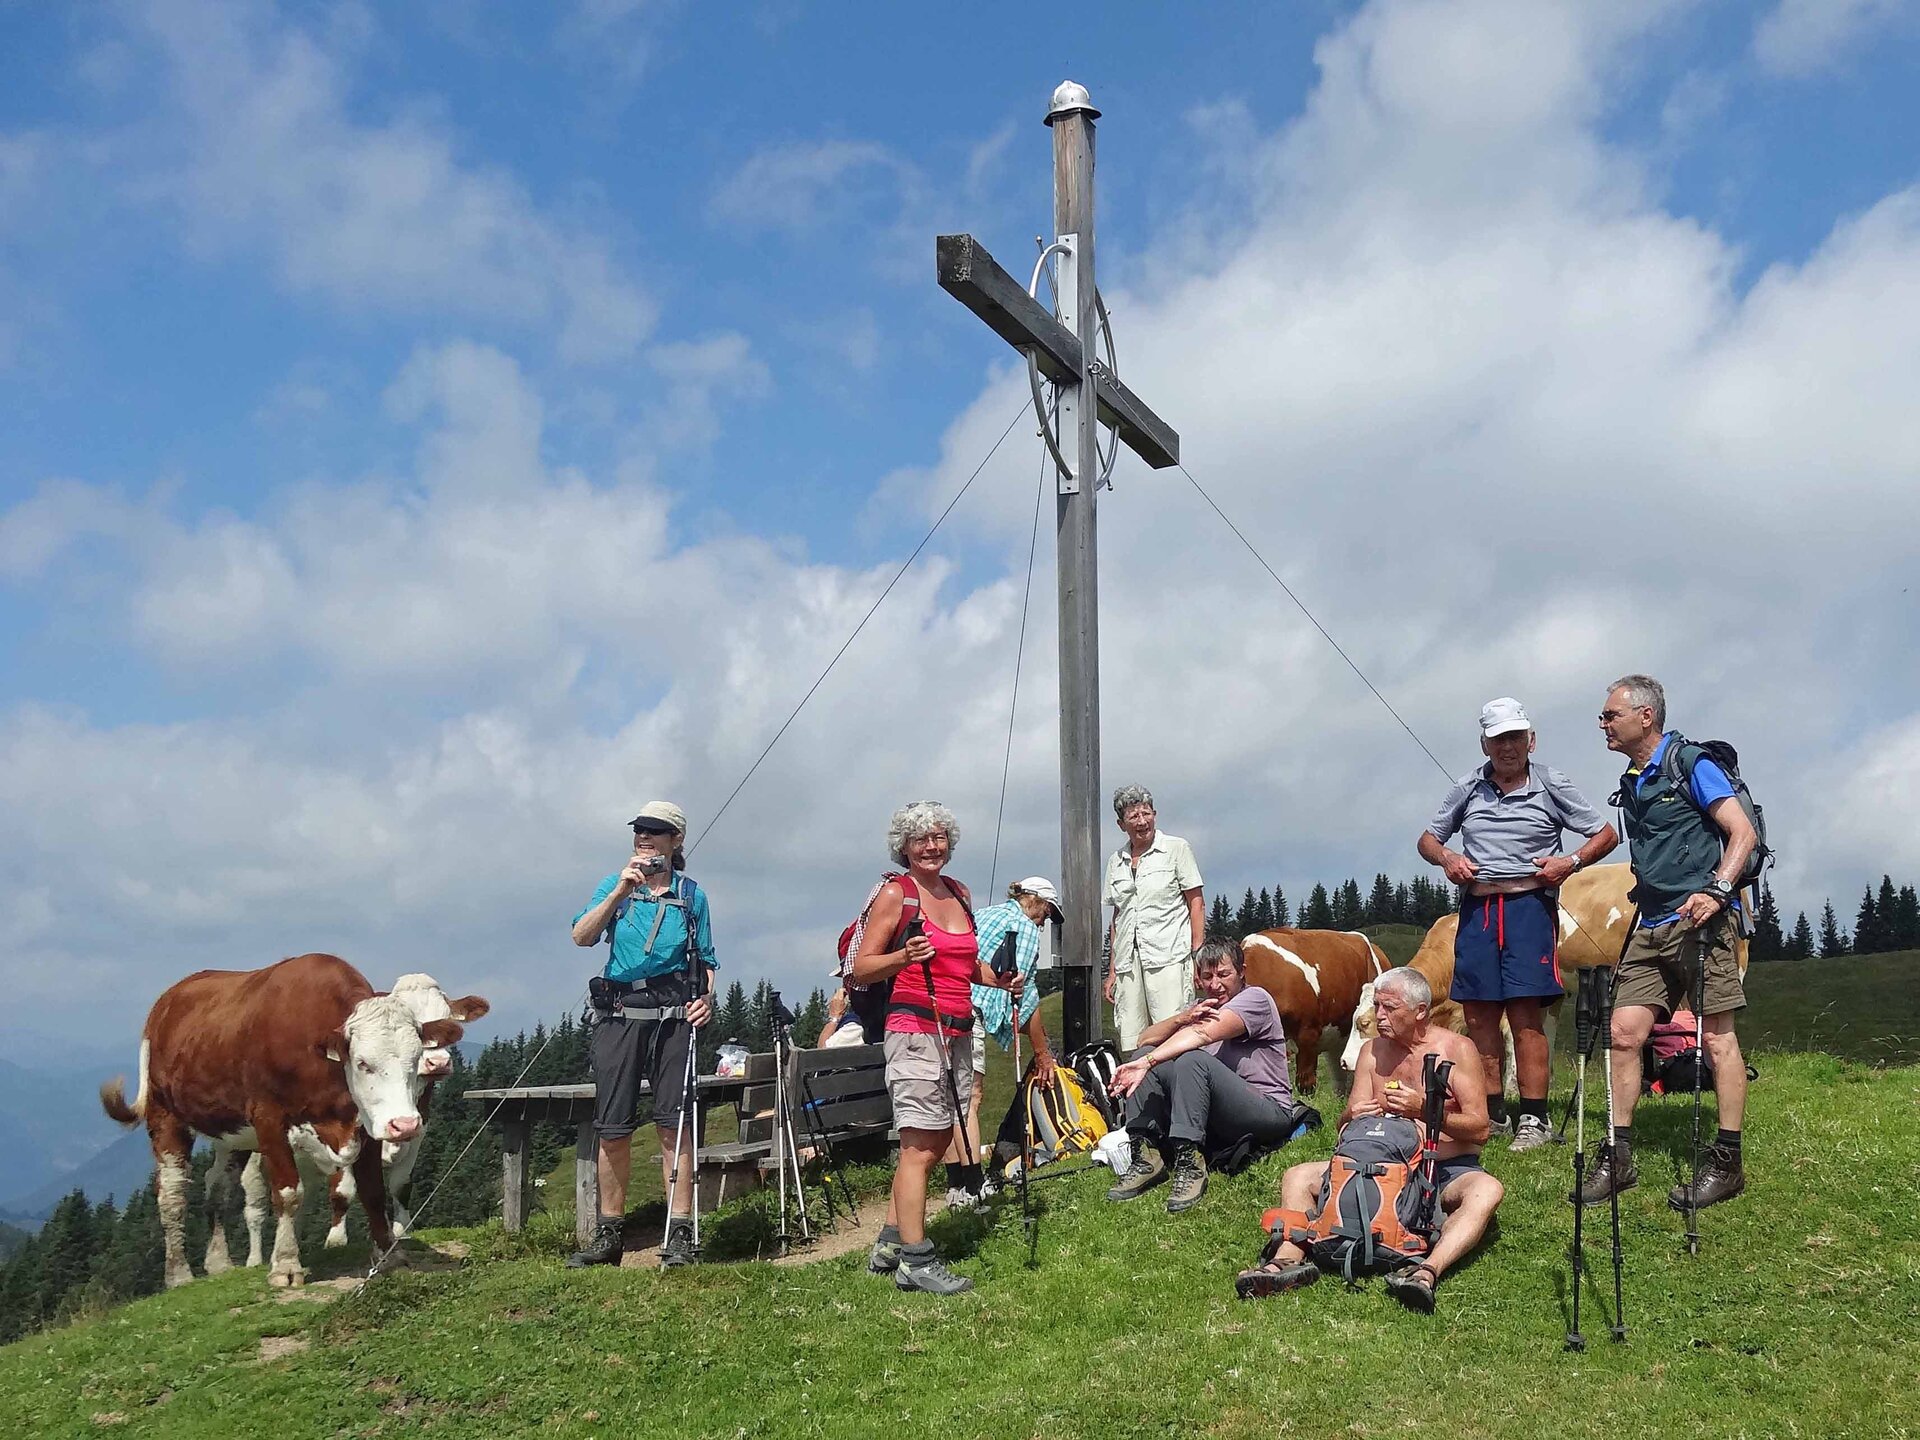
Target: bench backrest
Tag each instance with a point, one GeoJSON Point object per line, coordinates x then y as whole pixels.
{"type": "Point", "coordinates": [846, 1085]}
{"type": "Point", "coordinates": [756, 1101]}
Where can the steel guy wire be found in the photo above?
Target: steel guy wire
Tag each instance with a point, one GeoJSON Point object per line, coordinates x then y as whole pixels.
{"type": "Point", "coordinates": [1013, 708]}
{"type": "Point", "coordinates": [1326, 635]}
{"type": "Point", "coordinates": [819, 680]}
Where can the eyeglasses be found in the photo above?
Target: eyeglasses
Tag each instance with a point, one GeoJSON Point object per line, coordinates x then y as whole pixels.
{"type": "Point", "coordinates": [653, 830]}
{"type": "Point", "coordinates": [1607, 717]}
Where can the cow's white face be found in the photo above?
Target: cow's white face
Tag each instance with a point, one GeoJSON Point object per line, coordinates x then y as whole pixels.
{"type": "Point", "coordinates": [422, 995]}
{"type": "Point", "coordinates": [380, 1048]}
{"type": "Point", "coordinates": [1362, 1029]}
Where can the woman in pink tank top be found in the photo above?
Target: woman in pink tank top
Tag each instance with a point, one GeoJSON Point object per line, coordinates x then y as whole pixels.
{"type": "Point", "coordinates": [929, 1030]}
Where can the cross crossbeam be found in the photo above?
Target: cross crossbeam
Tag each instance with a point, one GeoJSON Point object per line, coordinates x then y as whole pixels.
{"type": "Point", "coordinates": [972, 276]}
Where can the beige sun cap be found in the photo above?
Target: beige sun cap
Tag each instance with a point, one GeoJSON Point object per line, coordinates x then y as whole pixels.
{"type": "Point", "coordinates": [656, 813]}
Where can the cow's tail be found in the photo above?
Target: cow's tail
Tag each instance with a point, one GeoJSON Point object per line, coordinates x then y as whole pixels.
{"type": "Point", "coordinates": [113, 1094]}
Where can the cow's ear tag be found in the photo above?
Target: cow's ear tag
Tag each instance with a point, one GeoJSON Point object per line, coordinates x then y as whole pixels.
{"type": "Point", "coordinates": [334, 1047]}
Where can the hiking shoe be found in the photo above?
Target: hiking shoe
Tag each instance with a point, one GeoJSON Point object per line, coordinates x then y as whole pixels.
{"type": "Point", "coordinates": [1189, 1180]}
{"type": "Point", "coordinates": [604, 1247]}
{"type": "Point", "coordinates": [678, 1249]}
{"type": "Point", "coordinates": [884, 1257]}
{"type": "Point", "coordinates": [1500, 1129]}
{"type": "Point", "coordinates": [1148, 1170]}
{"type": "Point", "coordinates": [923, 1271]}
{"type": "Point", "coordinates": [1274, 1278]}
{"type": "Point", "coordinates": [1530, 1134]}
{"type": "Point", "coordinates": [1601, 1179]}
{"type": "Point", "coordinates": [1721, 1177]}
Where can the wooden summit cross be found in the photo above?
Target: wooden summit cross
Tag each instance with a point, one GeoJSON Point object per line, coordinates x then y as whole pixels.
{"type": "Point", "coordinates": [1062, 345]}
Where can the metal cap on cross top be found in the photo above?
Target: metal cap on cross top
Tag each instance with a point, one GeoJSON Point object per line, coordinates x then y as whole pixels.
{"type": "Point", "coordinates": [1070, 97]}
{"type": "Point", "coordinates": [1087, 395]}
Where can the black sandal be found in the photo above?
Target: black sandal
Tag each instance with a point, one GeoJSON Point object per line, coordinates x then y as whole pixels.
{"type": "Point", "coordinates": [1410, 1290]}
{"type": "Point", "coordinates": [1273, 1278]}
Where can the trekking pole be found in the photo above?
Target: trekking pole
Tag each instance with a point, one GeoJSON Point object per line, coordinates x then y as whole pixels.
{"type": "Point", "coordinates": [1613, 1199]}
{"type": "Point", "coordinates": [1699, 1064]}
{"type": "Point", "coordinates": [1005, 964]}
{"type": "Point", "coordinates": [689, 1104]}
{"type": "Point", "coordinates": [817, 1137]}
{"type": "Point", "coordinates": [783, 1119]}
{"type": "Point", "coordinates": [1575, 1340]}
{"type": "Point", "coordinates": [916, 927]}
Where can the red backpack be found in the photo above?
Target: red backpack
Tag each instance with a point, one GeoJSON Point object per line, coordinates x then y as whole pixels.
{"type": "Point", "coordinates": [869, 1002]}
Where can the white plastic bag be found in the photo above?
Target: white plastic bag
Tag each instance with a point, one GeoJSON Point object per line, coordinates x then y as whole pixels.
{"type": "Point", "coordinates": [1115, 1150]}
{"type": "Point", "coordinates": [730, 1059]}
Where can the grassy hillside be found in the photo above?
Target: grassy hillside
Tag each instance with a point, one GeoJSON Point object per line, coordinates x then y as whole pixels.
{"type": "Point", "coordinates": [1796, 1319]}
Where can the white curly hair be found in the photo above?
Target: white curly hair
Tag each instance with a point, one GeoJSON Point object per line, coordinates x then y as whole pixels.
{"type": "Point", "coordinates": [917, 818]}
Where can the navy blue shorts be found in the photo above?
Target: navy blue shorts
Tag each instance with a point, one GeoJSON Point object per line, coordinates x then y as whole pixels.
{"type": "Point", "coordinates": [1508, 948]}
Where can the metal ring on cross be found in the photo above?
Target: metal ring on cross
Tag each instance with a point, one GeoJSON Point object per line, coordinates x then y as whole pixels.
{"type": "Point", "coordinates": [1112, 452]}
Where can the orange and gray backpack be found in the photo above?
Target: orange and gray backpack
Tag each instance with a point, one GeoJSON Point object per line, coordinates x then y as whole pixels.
{"type": "Point", "coordinates": [1375, 1210]}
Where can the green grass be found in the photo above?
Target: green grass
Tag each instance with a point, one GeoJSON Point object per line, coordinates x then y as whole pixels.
{"type": "Point", "coordinates": [1797, 1318]}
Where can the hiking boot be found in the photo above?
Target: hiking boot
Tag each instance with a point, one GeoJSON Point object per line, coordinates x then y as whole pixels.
{"type": "Point", "coordinates": [1530, 1134]}
{"type": "Point", "coordinates": [604, 1246]}
{"type": "Point", "coordinates": [678, 1249]}
{"type": "Point", "coordinates": [1721, 1177]}
{"type": "Point", "coordinates": [1189, 1180]}
{"type": "Point", "coordinates": [920, 1269]}
{"type": "Point", "coordinates": [1148, 1171]}
{"type": "Point", "coordinates": [1600, 1182]}
{"type": "Point", "coordinates": [884, 1257]}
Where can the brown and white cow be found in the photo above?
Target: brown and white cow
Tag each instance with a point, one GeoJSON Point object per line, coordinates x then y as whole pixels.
{"type": "Point", "coordinates": [1594, 915]}
{"type": "Point", "coordinates": [423, 996]}
{"type": "Point", "coordinates": [300, 1056]}
{"type": "Point", "coordinates": [1316, 978]}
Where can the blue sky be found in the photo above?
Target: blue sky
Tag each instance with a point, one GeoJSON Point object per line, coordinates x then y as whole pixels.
{"type": "Point", "coordinates": [377, 376]}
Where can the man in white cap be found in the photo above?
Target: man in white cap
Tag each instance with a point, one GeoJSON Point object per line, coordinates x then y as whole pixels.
{"type": "Point", "coordinates": [646, 1006]}
{"type": "Point", "coordinates": [1510, 815]}
{"type": "Point", "coordinates": [1012, 926]}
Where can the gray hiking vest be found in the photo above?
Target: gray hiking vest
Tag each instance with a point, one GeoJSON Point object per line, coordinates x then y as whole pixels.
{"type": "Point", "coordinates": [1675, 846]}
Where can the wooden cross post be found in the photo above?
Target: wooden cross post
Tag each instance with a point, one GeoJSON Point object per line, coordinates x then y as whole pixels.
{"type": "Point", "coordinates": [1090, 396]}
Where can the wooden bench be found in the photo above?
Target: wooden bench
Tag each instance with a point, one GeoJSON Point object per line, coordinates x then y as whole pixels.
{"type": "Point", "coordinates": [846, 1088]}
{"type": "Point", "coordinates": [516, 1111]}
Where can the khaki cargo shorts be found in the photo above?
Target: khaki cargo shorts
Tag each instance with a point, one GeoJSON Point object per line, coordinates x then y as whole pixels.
{"type": "Point", "coordinates": [1657, 969]}
{"type": "Point", "coordinates": [920, 1097]}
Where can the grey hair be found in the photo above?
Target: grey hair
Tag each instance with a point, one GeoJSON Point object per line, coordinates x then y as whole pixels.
{"type": "Point", "coordinates": [1212, 952]}
{"type": "Point", "coordinates": [1644, 690]}
{"type": "Point", "coordinates": [917, 818]}
{"type": "Point", "coordinates": [1128, 796]}
{"type": "Point", "coordinates": [1409, 984]}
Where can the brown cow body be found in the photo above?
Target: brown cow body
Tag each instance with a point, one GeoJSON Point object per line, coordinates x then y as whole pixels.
{"type": "Point", "coordinates": [301, 1054]}
{"type": "Point", "coordinates": [1595, 914]}
{"type": "Point", "coordinates": [1315, 978]}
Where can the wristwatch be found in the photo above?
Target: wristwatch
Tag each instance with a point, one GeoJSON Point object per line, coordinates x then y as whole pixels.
{"type": "Point", "coordinates": [1723, 889]}
{"type": "Point", "coordinates": [1578, 864]}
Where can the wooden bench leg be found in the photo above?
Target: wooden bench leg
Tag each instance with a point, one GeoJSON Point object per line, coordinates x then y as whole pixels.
{"type": "Point", "coordinates": [513, 1173]}
{"type": "Point", "coordinates": [586, 1180]}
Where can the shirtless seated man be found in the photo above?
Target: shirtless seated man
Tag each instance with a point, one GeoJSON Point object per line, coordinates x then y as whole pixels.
{"type": "Point", "coordinates": [1388, 1080]}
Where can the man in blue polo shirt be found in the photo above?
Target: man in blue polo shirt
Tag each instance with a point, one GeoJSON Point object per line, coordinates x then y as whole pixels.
{"type": "Point", "coordinates": [645, 1012]}
{"type": "Point", "coordinates": [1691, 841]}
{"type": "Point", "coordinates": [1510, 815]}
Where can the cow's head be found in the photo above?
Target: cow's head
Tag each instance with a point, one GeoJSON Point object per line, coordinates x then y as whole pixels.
{"type": "Point", "coordinates": [423, 996]}
{"type": "Point", "coordinates": [1361, 1030]}
{"type": "Point", "coordinates": [379, 1048]}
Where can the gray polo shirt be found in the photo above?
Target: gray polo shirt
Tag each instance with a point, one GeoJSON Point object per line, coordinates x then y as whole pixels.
{"type": "Point", "coordinates": [1504, 834]}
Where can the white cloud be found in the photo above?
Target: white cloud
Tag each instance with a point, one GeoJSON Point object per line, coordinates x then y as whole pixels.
{"type": "Point", "coordinates": [792, 185]}
{"type": "Point", "coordinates": [1799, 38]}
{"type": "Point", "coordinates": [1504, 424]}
{"type": "Point", "coordinates": [264, 153]}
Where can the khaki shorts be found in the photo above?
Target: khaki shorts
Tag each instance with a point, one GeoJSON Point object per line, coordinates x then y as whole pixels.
{"type": "Point", "coordinates": [920, 1097]}
{"type": "Point", "coordinates": [1657, 969]}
